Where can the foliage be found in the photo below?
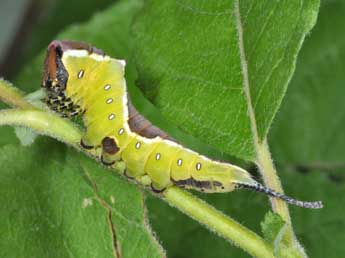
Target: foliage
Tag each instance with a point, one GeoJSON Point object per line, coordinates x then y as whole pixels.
{"type": "Point", "coordinates": [57, 203]}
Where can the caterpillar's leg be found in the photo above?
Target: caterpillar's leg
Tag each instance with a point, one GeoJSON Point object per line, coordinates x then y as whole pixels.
{"type": "Point", "coordinates": [91, 142]}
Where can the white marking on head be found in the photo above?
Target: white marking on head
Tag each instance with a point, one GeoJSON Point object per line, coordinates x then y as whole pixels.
{"type": "Point", "coordinates": [111, 116]}
{"type": "Point", "coordinates": [76, 52]}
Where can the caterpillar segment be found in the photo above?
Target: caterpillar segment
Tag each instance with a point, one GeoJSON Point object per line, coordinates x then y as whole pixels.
{"type": "Point", "coordinates": [81, 80]}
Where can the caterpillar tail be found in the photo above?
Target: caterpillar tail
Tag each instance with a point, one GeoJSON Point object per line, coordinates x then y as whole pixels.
{"type": "Point", "coordinates": [262, 189]}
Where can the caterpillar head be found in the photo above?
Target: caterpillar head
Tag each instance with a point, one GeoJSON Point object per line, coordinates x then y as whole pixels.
{"type": "Point", "coordinates": [55, 75]}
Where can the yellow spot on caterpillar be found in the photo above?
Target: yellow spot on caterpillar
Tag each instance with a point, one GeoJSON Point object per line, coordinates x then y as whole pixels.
{"type": "Point", "coordinates": [112, 199]}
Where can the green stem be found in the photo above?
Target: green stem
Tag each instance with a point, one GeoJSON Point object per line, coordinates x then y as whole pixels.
{"type": "Point", "coordinates": [49, 124]}
{"type": "Point", "coordinates": [12, 96]}
{"type": "Point", "coordinates": [43, 123]}
{"type": "Point", "coordinates": [218, 222]}
{"type": "Point", "coordinates": [271, 180]}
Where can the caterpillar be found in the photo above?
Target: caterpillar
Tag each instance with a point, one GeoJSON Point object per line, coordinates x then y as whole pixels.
{"type": "Point", "coordinates": [80, 79]}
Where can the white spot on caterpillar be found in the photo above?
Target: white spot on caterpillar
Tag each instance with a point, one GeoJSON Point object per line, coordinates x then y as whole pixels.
{"type": "Point", "coordinates": [111, 116]}
{"type": "Point", "coordinates": [121, 131]}
{"type": "Point", "coordinates": [158, 156]}
{"type": "Point", "coordinates": [138, 145]}
{"type": "Point", "coordinates": [198, 166]}
{"type": "Point", "coordinates": [80, 74]}
{"type": "Point", "coordinates": [87, 202]}
{"type": "Point", "coordinates": [109, 100]}
{"type": "Point", "coordinates": [107, 87]}
{"type": "Point", "coordinates": [179, 162]}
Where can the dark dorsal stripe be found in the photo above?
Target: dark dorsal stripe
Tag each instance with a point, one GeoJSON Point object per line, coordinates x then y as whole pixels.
{"type": "Point", "coordinates": [140, 125]}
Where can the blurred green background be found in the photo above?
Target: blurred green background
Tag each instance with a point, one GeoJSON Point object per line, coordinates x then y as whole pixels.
{"type": "Point", "coordinates": [309, 151]}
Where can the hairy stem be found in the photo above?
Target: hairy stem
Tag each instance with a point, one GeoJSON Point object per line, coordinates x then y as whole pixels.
{"type": "Point", "coordinates": [43, 123]}
{"type": "Point", "coordinates": [216, 221]}
{"type": "Point", "coordinates": [12, 96]}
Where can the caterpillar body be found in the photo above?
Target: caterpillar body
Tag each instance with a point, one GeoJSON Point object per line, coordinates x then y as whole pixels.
{"type": "Point", "coordinates": [81, 79]}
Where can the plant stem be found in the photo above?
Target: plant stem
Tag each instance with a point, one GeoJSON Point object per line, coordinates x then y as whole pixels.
{"type": "Point", "coordinates": [218, 222]}
{"type": "Point", "coordinates": [49, 124]}
{"type": "Point", "coordinates": [12, 96]}
{"type": "Point", "coordinates": [263, 155]}
{"type": "Point", "coordinates": [43, 123]}
{"type": "Point", "coordinates": [271, 179]}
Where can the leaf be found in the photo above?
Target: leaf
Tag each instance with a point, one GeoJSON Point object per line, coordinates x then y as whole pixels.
{"type": "Point", "coordinates": [271, 226]}
{"type": "Point", "coordinates": [190, 64]}
{"type": "Point", "coordinates": [58, 203]}
{"type": "Point", "coordinates": [25, 135]}
{"type": "Point", "coordinates": [42, 24]}
{"type": "Point", "coordinates": [309, 134]}
{"type": "Point", "coordinates": [312, 106]}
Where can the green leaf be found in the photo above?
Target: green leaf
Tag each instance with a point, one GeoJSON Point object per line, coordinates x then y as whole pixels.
{"type": "Point", "coordinates": [59, 203]}
{"type": "Point", "coordinates": [191, 67]}
{"type": "Point", "coordinates": [308, 128]}
{"type": "Point", "coordinates": [309, 134]}
{"type": "Point", "coordinates": [25, 135]}
{"type": "Point", "coordinates": [271, 226]}
{"type": "Point", "coordinates": [47, 21]}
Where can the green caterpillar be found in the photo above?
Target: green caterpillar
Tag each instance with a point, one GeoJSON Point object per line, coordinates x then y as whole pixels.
{"type": "Point", "coordinates": [81, 79]}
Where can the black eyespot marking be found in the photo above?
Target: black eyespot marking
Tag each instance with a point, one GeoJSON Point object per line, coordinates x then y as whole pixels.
{"type": "Point", "coordinates": [109, 145]}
